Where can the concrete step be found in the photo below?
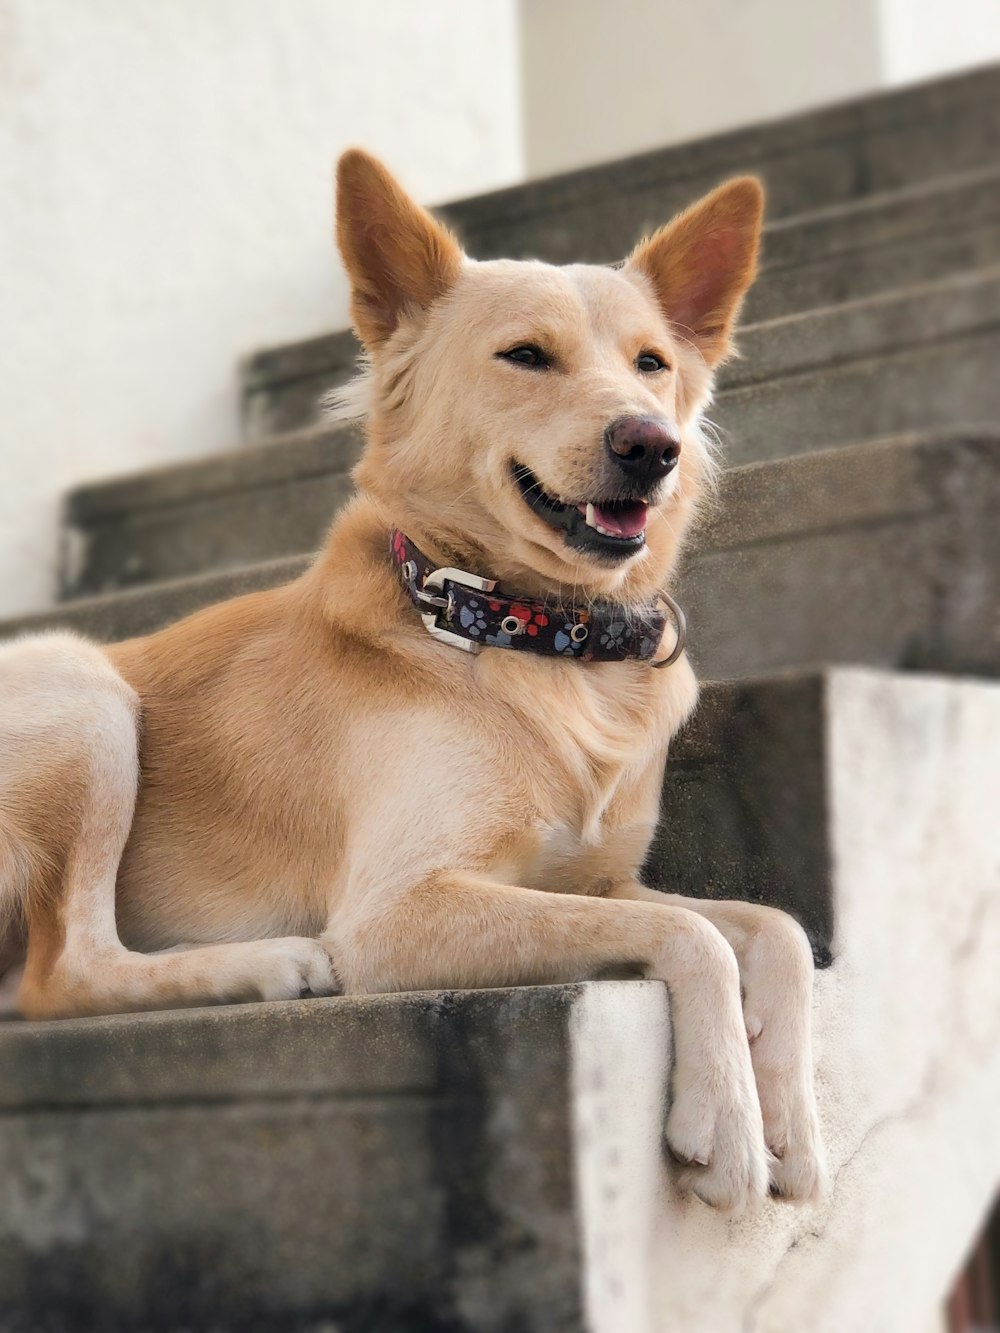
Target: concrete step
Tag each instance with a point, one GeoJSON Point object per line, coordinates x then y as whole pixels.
{"type": "Point", "coordinates": [484, 1161]}
{"type": "Point", "coordinates": [253, 504]}
{"type": "Point", "coordinates": [912, 360]}
{"type": "Point", "coordinates": [843, 253]}
{"type": "Point", "coordinates": [915, 360]}
{"type": "Point", "coordinates": [885, 552]}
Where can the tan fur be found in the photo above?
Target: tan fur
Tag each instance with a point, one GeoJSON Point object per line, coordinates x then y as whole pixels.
{"type": "Point", "coordinates": [304, 783]}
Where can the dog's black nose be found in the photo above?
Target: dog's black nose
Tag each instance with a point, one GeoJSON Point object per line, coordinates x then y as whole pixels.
{"type": "Point", "coordinates": [645, 448]}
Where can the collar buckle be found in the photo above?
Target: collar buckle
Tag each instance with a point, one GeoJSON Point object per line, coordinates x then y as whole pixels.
{"type": "Point", "coordinates": [444, 601]}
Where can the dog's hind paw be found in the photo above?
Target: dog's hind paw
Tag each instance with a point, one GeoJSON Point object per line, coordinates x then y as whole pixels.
{"type": "Point", "coordinates": [293, 967]}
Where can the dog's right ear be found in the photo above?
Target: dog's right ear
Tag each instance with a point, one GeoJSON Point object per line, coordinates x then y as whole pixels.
{"type": "Point", "coordinates": [398, 258]}
{"type": "Point", "coordinates": [702, 263]}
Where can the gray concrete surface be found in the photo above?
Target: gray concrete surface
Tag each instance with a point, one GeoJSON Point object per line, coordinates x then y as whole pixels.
{"type": "Point", "coordinates": [236, 508]}
{"type": "Point", "coordinates": [885, 553]}
{"type": "Point", "coordinates": [744, 807]}
{"type": "Point", "coordinates": [394, 1163]}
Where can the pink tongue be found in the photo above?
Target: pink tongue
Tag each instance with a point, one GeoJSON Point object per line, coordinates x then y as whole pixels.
{"type": "Point", "coordinates": [626, 519]}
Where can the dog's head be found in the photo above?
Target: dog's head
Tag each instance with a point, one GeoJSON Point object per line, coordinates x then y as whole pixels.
{"type": "Point", "coordinates": [540, 424]}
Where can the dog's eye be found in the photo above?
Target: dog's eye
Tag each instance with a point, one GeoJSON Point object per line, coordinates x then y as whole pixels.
{"type": "Point", "coordinates": [649, 363]}
{"type": "Point", "coordinates": [526, 355]}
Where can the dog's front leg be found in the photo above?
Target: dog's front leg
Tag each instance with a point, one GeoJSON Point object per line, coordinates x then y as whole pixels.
{"type": "Point", "coordinates": [776, 976]}
{"type": "Point", "coordinates": [463, 930]}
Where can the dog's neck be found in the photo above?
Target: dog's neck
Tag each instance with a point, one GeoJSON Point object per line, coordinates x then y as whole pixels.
{"type": "Point", "coordinates": [358, 585]}
{"type": "Point", "coordinates": [470, 612]}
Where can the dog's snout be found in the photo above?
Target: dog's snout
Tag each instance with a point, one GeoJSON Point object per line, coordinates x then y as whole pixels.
{"type": "Point", "coordinates": [645, 448]}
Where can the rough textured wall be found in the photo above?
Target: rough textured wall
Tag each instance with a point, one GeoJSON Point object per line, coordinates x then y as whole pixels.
{"type": "Point", "coordinates": [166, 207]}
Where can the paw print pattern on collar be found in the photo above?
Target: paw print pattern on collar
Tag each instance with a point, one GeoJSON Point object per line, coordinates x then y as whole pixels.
{"type": "Point", "coordinates": [599, 632]}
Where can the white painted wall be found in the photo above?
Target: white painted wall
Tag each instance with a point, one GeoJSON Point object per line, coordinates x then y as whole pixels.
{"type": "Point", "coordinates": [604, 80]}
{"type": "Point", "coordinates": [921, 39]}
{"type": "Point", "coordinates": [165, 205]}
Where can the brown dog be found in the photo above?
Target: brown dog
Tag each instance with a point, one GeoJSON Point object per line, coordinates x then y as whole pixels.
{"type": "Point", "coordinates": [305, 789]}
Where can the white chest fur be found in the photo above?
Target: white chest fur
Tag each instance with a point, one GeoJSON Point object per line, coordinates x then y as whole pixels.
{"type": "Point", "coordinates": [601, 744]}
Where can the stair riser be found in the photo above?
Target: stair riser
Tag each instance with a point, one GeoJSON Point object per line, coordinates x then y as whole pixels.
{"type": "Point", "coordinates": [806, 266]}
{"type": "Point", "coordinates": [232, 530]}
{"type": "Point", "coordinates": [743, 809]}
{"type": "Point", "coordinates": [811, 600]}
{"type": "Point", "coordinates": [358, 1203]}
{"type": "Point", "coordinates": [797, 288]}
{"type": "Point", "coordinates": [920, 389]}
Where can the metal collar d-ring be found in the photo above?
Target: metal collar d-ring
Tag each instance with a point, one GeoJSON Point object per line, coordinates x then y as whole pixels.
{"type": "Point", "coordinates": [680, 624]}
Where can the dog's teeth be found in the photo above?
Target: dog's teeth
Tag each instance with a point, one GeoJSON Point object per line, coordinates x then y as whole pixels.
{"type": "Point", "coordinates": [603, 531]}
{"type": "Point", "coordinates": [591, 523]}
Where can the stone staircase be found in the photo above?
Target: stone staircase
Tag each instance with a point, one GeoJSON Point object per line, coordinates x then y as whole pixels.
{"type": "Point", "coordinates": [485, 1162]}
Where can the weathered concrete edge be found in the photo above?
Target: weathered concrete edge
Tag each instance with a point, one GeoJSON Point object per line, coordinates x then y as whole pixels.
{"type": "Point", "coordinates": [789, 497]}
{"type": "Point", "coordinates": [141, 610]}
{"type": "Point", "coordinates": [345, 1046]}
{"type": "Point", "coordinates": [313, 451]}
{"type": "Point", "coordinates": [886, 324]}
{"type": "Point", "coordinates": [965, 198]}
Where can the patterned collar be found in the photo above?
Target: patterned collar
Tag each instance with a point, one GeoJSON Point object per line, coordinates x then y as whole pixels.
{"type": "Point", "coordinates": [467, 612]}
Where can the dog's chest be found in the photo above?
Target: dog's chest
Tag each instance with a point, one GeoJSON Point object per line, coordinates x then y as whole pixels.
{"type": "Point", "coordinates": [598, 751]}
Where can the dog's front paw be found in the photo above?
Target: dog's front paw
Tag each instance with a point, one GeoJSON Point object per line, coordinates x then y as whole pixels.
{"type": "Point", "coordinates": [715, 1133]}
{"type": "Point", "coordinates": [777, 974]}
{"type": "Point", "coordinates": [791, 1132]}
{"type": "Point", "coordinates": [293, 967]}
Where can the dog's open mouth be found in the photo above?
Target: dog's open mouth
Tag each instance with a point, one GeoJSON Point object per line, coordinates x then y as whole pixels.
{"type": "Point", "coordinates": [612, 529]}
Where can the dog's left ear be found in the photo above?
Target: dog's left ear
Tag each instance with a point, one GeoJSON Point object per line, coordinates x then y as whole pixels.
{"type": "Point", "coordinates": [399, 259]}
{"type": "Point", "coordinates": [702, 263]}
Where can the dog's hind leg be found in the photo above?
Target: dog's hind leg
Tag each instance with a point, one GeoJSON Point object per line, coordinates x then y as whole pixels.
{"type": "Point", "coordinates": [69, 740]}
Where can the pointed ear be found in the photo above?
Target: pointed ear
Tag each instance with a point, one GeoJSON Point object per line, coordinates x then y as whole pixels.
{"type": "Point", "coordinates": [702, 263]}
{"type": "Point", "coordinates": [398, 258]}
